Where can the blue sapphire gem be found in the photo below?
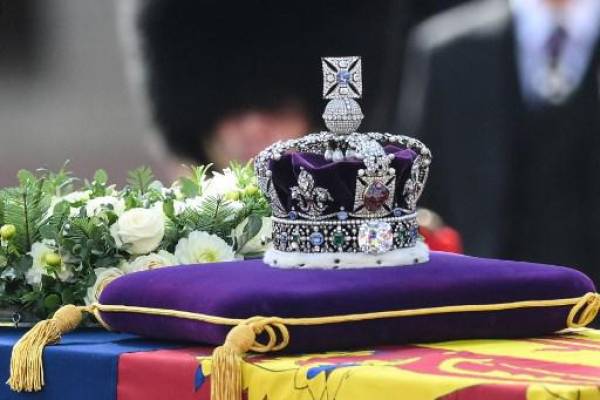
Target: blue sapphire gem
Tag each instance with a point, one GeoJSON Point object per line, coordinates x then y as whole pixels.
{"type": "Point", "coordinates": [342, 215]}
{"type": "Point", "coordinates": [397, 212]}
{"type": "Point", "coordinates": [292, 215]}
{"type": "Point", "coordinates": [343, 77]}
{"type": "Point", "coordinates": [316, 238]}
{"type": "Point", "coordinates": [413, 234]}
{"type": "Point", "coordinates": [283, 238]}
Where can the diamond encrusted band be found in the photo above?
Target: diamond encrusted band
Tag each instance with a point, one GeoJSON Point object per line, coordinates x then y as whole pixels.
{"type": "Point", "coordinates": [374, 236]}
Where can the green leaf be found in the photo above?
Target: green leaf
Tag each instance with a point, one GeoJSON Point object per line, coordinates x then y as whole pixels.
{"type": "Point", "coordinates": [67, 296]}
{"type": "Point", "coordinates": [62, 209]}
{"type": "Point", "coordinates": [244, 173]}
{"type": "Point", "coordinates": [101, 177]}
{"type": "Point", "coordinates": [48, 231]}
{"type": "Point", "coordinates": [25, 177]}
{"type": "Point", "coordinates": [251, 229]}
{"type": "Point", "coordinates": [52, 302]}
{"type": "Point", "coordinates": [58, 183]}
{"type": "Point", "coordinates": [169, 208]}
{"type": "Point", "coordinates": [24, 207]}
{"type": "Point", "coordinates": [140, 179]}
{"type": "Point", "coordinates": [189, 188]}
{"type": "Point", "coordinates": [192, 186]}
{"type": "Point", "coordinates": [2, 206]}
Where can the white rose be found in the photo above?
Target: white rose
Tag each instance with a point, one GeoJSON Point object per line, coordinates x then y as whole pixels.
{"type": "Point", "coordinates": [38, 253]}
{"type": "Point", "coordinates": [258, 242]}
{"type": "Point", "coordinates": [103, 277]}
{"type": "Point", "coordinates": [140, 229]}
{"type": "Point", "coordinates": [220, 184]}
{"type": "Point", "coordinates": [152, 261]}
{"type": "Point", "coordinates": [95, 205]}
{"type": "Point", "coordinates": [202, 247]}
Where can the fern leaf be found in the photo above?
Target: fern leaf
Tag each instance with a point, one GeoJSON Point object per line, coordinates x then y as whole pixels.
{"type": "Point", "coordinates": [24, 208]}
{"type": "Point", "coordinates": [140, 179]}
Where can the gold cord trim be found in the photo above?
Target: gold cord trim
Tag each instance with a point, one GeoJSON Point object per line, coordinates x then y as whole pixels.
{"type": "Point", "coordinates": [591, 302]}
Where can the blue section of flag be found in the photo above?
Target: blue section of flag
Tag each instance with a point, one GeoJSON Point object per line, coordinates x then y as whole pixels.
{"type": "Point", "coordinates": [199, 378]}
{"type": "Point", "coordinates": [314, 371]}
{"type": "Point", "coordinates": [83, 366]}
{"type": "Point", "coordinates": [327, 368]}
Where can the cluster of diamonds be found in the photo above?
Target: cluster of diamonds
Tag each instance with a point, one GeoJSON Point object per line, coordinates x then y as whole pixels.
{"type": "Point", "coordinates": [375, 224]}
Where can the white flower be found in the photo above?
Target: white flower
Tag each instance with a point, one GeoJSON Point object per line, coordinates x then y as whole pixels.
{"type": "Point", "coordinates": [202, 247]}
{"type": "Point", "coordinates": [140, 229]}
{"type": "Point", "coordinates": [76, 197]}
{"type": "Point", "coordinates": [103, 277]}
{"type": "Point", "coordinates": [38, 268]}
{"type": "Point", "coordinates": [152, 261]}
{"type": "Point", "coordinates": [71, 198]}
{"type": "Point", "coordinates": [193, 203]}
{"type": "Point", "coordinates": [95, 205]}
{"type": "Point", "coordinates": [257, 243]}
{"type": "Point", "coordinates": [236, 205]}
{"type": "Point", "coordinates": [221, 184]}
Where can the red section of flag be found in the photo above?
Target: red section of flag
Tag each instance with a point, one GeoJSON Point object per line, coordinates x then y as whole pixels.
{"type": "Point", "coordinates": [489, 391]}
{"type": "Point", "coordinates": [162, 375]}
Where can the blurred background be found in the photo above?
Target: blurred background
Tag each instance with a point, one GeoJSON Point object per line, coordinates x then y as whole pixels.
{"type": "Point", "coordinates": [504, 92]}
{"type": "Point", "coordinates": [72, 74]}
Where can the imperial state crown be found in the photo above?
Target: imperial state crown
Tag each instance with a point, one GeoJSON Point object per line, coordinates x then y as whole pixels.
{"type": "Point", "coordinates": [341, 198]}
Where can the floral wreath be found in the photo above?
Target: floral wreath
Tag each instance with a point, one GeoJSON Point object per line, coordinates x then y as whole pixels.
{"type": "Point", "coordinates": [63, 239]}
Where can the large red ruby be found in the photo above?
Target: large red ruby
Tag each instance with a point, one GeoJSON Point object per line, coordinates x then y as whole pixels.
{"type": "Point", "coordinates": [375, 196]}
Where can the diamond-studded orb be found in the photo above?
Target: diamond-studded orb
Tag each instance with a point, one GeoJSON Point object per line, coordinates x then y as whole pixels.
{"type": "Point", "coordinates": [343, 115]}
{"type": "Point", "coordinates": [375, 237]}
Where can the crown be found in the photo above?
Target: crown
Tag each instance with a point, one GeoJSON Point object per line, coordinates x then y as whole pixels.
{"type": "Point", "coordinates": [341, 198]}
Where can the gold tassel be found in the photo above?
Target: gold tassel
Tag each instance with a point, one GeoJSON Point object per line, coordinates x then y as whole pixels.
{"type": "Point", "coordinates": [226, 375]}
{"type": "Point", "coordinates": [26, 367]}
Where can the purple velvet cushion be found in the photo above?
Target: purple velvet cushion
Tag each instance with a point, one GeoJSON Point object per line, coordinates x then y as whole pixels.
{"type": "Point", "coordinates": [249, 288]}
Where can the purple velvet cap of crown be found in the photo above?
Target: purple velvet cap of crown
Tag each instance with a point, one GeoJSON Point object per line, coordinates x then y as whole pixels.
{"type": "Point", "coordinates": [338, 177]}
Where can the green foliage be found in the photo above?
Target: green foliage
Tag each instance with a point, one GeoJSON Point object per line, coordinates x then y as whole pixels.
{"type": "Point", "coordinates": [192, 186]}
{"type": "Point", "coordinates": [82, 243]}
{"type": "Point", "coordinates": [97, 186]}
{"type": "Point", "coordinates": [24, 207]}
{"type": "Point", "coordinates": [215, 216]}
{"type": "Point", "coordinates": [89, 243]}
{"type": "Point", "coordinates": [140, 179]}
{"type": "Point", "coordinates": [244, 173]}
{"type": "Point", "coordinates": [2, 206]}
{"type": "Point", "coordinates": [58, 183]}
{"type": "Point", "coordinates": [251, 229]}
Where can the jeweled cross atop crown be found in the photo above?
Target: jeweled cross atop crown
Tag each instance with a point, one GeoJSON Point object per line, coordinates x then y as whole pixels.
{"type": "Point", "coordinates": [342, 77]}
{"type": "Point", "coordinates": [342, 83]}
